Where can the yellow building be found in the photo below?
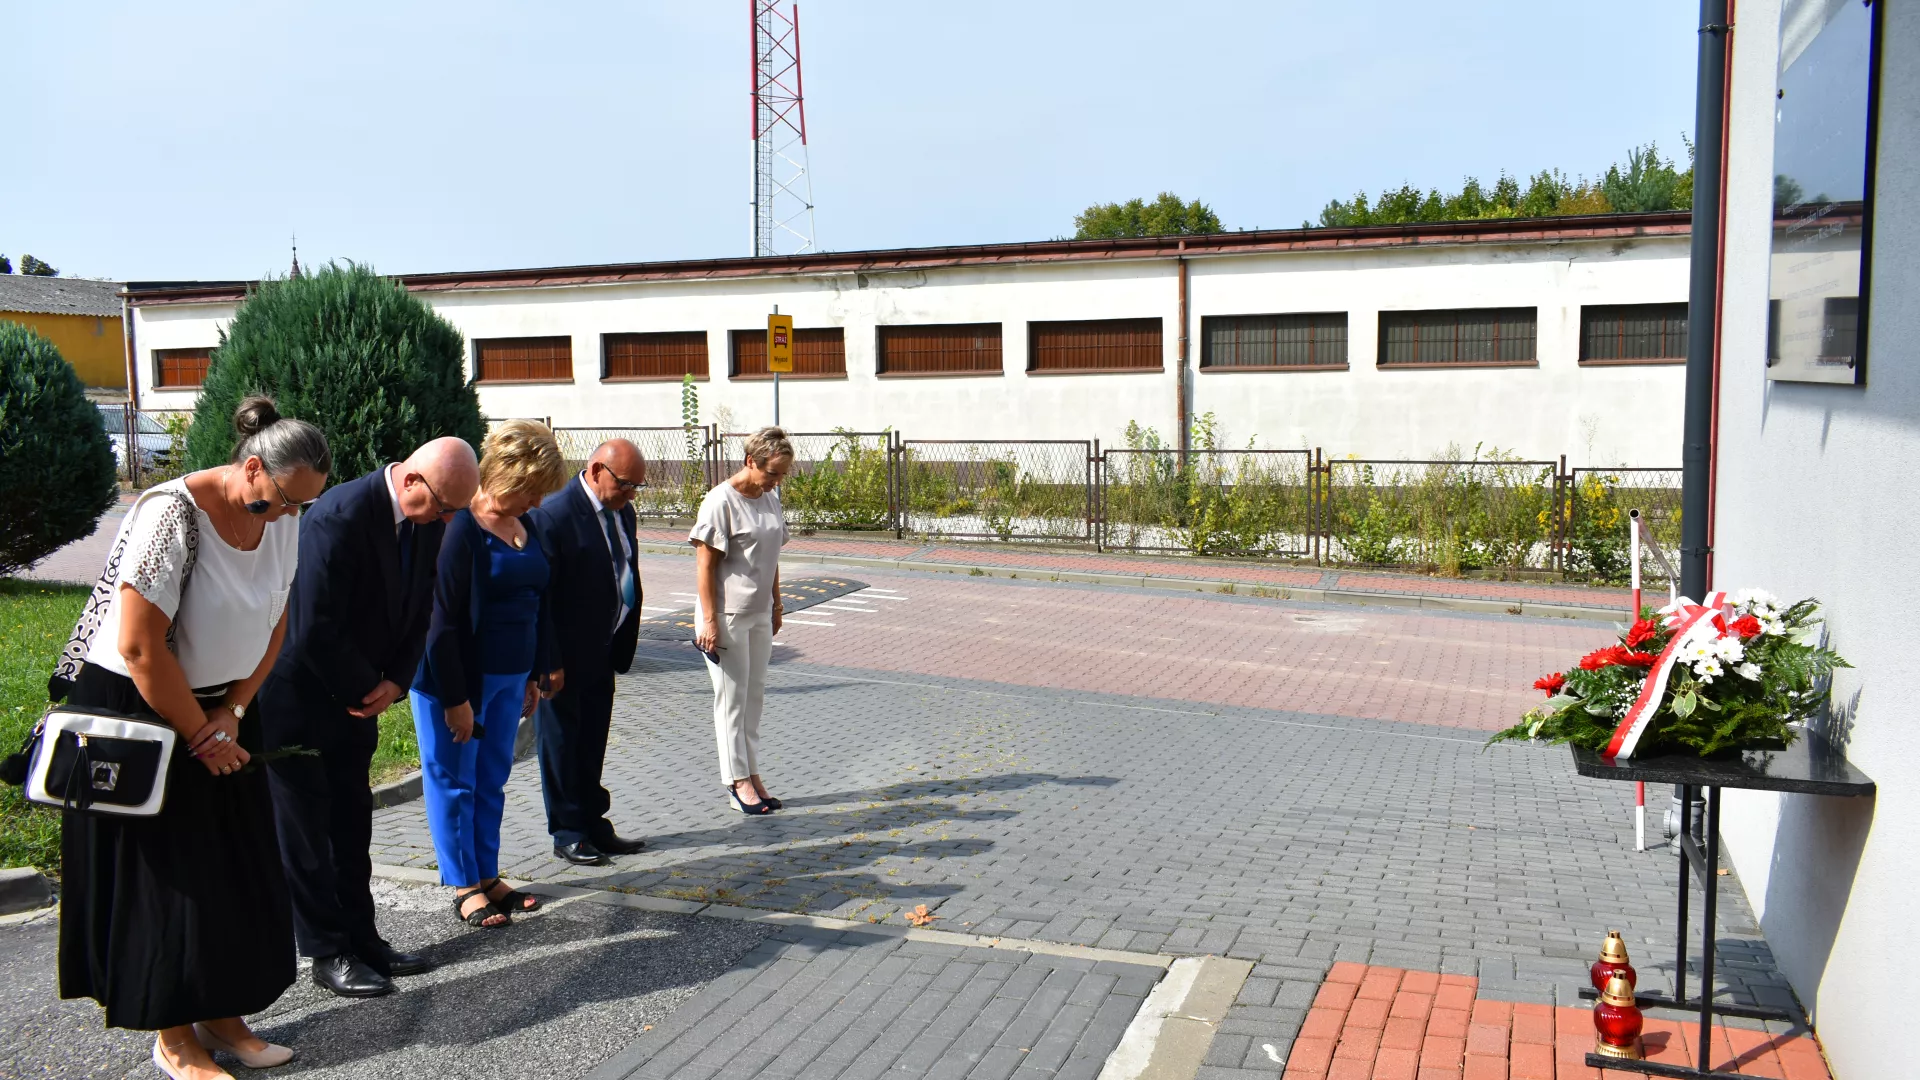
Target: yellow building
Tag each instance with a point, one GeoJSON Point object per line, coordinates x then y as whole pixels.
{"type": "Point", "coordinates": [80, 316]}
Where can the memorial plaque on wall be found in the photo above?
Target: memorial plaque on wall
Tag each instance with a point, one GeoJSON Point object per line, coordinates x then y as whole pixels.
{"type": "Point", "coordinates": [1822, 191]}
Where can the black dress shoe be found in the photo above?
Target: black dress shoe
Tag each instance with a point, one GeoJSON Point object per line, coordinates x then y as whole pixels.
{"type": "Point", "coordinates": [348, 977]}
{"type": "Point", "coordinates": [404, 963]}
{"type": "Point", "coordinates": [615, 844]}
{"type": "Point", "coordinates": [580, 853]}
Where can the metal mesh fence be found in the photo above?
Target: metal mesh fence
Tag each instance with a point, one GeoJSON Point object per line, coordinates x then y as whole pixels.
{"type": "Point", "coordinates": [839, 480]}
{"type": "Point", "coordinates": [679, 468]}
{"type": "Point", "coordinates": [1219, 502]}
{"type": "Point", "coordinates": [1597, 504]}
{"type": "Point", "coordinates": [998, 489]}
{"type": "Point", "coordinates": [149, 445]}
{"type": "Point", "coordinates": [1444, 516]}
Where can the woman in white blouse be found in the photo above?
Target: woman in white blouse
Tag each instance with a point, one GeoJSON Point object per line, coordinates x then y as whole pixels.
{"type": "Point", "coordinates": [736, 538]}
{"type": "Point", "coordinates": [180, 923]}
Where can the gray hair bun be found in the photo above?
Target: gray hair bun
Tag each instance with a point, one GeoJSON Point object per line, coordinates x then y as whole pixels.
{"type": "Point", "coordinates": [282, 443]}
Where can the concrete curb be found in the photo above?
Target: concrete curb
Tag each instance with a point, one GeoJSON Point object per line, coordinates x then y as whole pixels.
{"type": "Point", "coordinates": [1532, 608]}
{"type": "Point", "coordinates": [1171, 1034]}
{"type": "Point", "coordinates": [407, 788]}
{"type": "Point", "coordinates": [22, 888]}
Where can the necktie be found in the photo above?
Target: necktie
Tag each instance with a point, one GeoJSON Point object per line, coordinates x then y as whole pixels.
{"type": "Point", "coordinates": [622, 573]}
{"type": "Point", "coordinates": [406, 550]}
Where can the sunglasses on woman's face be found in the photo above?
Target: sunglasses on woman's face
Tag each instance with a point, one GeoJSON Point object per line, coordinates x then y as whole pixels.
{"type": "Point", "coordinates": [289, 503]}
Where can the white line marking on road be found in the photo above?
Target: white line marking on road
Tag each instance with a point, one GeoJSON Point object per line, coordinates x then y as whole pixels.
{"type": "Point", "coordinates": [690, 596]}
{"type": "Point", "coordinates": [1144, 708]}
{"type": "Point", "coordinates": [871, 588]}
{"type": "Point", "coordinates": [649, 607]}
{"type": "Point", "coordinates": [803, 622]}
{"type": "Point", "coordinates": [1272, 1054]}
{"type": "Point", "coordinates": [861, 610]}
{"type": "Point", "coordinates": [886, 598]}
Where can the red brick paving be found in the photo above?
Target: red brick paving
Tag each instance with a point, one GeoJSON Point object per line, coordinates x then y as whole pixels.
{"type": "Point", "coordinates": [1381, 1023]}
{"type": "Point", "coordinates": [1468, 672]}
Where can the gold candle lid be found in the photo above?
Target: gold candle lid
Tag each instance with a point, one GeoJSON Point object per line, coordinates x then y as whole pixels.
{"type": "Point", "coordinates": [1614, 949]}
{"type": "Point", "coordinates": [1617, 992]}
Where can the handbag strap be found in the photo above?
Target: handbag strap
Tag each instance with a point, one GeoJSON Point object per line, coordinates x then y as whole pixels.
{"type": "Point", "coordinates": [101, 599]}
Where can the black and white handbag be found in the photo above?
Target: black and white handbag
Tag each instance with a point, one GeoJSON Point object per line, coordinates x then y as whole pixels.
{"type": "Point", "coordinates": [93, 760]}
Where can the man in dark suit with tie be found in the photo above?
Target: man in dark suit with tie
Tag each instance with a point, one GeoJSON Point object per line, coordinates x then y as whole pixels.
{"type": "Point", "coordinates": [356, 621]}
{"type": "Point", "coordinates": [595, 599]}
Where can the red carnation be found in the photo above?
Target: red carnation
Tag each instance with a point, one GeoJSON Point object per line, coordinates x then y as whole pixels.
{"type": "Point", "coordinates": [1642, 631]}
{"type": "Point", "coordinates": [1746, 626]}
{"type": "Point", "coordinates": [1600, 658]}
{"type": "Point", "coordinates": [1550, 683]}
{"type": "Point", "coordinates": [1638, 659]}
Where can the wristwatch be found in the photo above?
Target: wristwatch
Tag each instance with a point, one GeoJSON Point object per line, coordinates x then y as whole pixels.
{"type": "Point", "coordinates": [239, 711]}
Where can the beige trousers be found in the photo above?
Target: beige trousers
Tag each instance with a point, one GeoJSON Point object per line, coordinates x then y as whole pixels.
{"type": "Point", "coordinates": [739, 691]}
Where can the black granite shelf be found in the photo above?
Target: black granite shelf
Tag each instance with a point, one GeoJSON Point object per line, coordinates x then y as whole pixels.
{"type": "Point", "coordinates": [1809, 767]}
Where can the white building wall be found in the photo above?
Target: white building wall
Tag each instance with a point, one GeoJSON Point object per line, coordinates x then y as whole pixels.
{"type": "Point", "coordinates": [1595, 415]}
{"type": "Point", "coordinates": [1815, 498]}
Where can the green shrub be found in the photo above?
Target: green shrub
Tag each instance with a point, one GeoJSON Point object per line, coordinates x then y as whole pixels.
{"type": "Point", "coordinates": [349, 350]}
{"type": "Point", "coordinates": [35, 619]}
{"type": "Point", "coordinates": [57, 473]}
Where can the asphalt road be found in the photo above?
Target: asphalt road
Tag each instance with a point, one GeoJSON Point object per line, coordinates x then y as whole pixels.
{"type": "Point", "coordinates": [551, 996]}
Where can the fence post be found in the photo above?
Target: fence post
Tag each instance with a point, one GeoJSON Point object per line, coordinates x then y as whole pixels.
{"type": "Point", "coordinates": [1314, 511]}
{"type": "Point", "coordinates": [1562, 515]}
{"type": "Point", "coordinates": [1097, 495]}
{"type": "Point", "coordinates": [895, 494]}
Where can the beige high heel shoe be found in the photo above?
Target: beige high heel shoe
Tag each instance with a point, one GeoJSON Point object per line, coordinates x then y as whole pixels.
{"type": "Point", "coordinates": [274, 1054]}
{"type": "Point", "coordinates": [160, 1062]}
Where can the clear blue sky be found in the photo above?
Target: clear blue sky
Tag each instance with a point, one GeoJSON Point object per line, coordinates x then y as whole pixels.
{"type": "Point", "coordinates": [189, 139]}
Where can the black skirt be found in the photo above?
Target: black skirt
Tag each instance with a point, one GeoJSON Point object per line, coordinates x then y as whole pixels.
{"type": "Point", "coordinates": [183, 916]}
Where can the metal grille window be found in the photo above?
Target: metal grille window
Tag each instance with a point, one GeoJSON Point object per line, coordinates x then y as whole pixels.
{"type": "Point", "coordinates": [1626, 333]}
{"type": "Point", "coordinates": [1276, 342]}
{"type": "Point", "coordinates": [654, 356]}
{"type": "Point", "coordinates": [527, 359]}
{"type": "Point", "coordinates": [181, 368]}
{"type": "Point", "coordinates": [818, 352]}
{"type": "Point", "coordinates": [955, 349]}
{"type": "Point", "coordinates": [1095, 345]}
{"type": "Point", "coordinates": [1458, 336]}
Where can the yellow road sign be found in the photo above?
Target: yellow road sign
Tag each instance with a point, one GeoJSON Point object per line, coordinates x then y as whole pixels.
{"type": "Point", "coordinates": [780, 343]}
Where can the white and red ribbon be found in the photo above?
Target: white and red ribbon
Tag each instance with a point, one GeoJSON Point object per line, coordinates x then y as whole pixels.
{"type": "Point", "coordinates": [1690, 622]}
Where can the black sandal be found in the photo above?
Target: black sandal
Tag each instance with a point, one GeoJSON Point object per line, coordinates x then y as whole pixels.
{"type": "Point", "coordinates": [513, 902]}
{"type": "Point", "coordinates": [478, 916]}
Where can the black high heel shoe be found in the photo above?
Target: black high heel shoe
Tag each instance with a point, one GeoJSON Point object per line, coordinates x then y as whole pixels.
{"type": "Point", "coordinates": [762, 807]}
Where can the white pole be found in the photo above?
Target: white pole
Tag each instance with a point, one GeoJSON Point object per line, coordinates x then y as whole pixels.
{"type": "Point", "coordinates": [1639, 787]}
{"type": "Point", "coordinates": [776, 385]}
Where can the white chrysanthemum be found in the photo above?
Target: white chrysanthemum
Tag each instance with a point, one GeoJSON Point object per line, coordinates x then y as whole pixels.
{"type": "Point", "coordinates": [1695, 651]}
{"type": "Point", "coordinates": [1773, 626]}
{"type": "Point", "coordinates": [1708, 670]}
{"type": "Point", "coordinates": [1754, 599]}
{"type": "Point", "coordinates": [1730, 649]}
{"type": "Point", "coordinates": [1749, 671]}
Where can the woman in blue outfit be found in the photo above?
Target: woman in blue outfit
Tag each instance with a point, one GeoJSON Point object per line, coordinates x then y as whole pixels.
{"type": "Point", "coordinates": [485, 665]}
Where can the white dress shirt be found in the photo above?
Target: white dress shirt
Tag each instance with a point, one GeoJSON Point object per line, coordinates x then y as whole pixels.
{"type": "Point", "coordinates": [393, 494]}
{"type": "Point", "coordinates": [620, 607]}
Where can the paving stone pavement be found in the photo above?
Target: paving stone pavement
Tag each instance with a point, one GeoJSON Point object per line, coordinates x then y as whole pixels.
{"type": "Point", "coordinates": [1286, 837]}
{"type": "Point", "coordinates": [814, 1005]}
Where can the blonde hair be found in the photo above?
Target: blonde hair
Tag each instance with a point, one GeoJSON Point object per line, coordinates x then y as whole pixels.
{"type": "Point", "coordinates": [520, 457]}
{"type": "Point", "coordinates": [766, 444]}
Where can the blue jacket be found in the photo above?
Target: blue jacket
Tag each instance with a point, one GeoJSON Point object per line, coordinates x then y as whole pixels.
{"type": "Point", "coordinates": [451, 671]}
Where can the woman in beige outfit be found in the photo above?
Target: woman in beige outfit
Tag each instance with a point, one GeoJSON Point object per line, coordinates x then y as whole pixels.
{"type": "Point", "coordinates": [737, 536]}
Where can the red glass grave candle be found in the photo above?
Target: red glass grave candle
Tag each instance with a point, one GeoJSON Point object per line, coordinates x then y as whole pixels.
{"type": "Point", "coordinates": [1613, 961]}
{"type": "Point", "coordinates": [1617, 1021]}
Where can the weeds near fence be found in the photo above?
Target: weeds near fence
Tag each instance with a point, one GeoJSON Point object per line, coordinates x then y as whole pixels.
{"type": "Point", "coordinates": [847, 486]}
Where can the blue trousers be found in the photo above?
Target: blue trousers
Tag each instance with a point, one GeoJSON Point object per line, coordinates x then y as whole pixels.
{"type": "Point", "coordinates": [465, 783]}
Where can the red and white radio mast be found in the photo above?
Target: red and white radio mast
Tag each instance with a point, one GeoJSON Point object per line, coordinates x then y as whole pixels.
{"type": "Point", "coordinates": [782, 188]}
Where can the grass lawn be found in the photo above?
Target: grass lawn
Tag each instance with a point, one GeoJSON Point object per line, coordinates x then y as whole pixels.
{"type": "Point", "coordinates": [35, 619]}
